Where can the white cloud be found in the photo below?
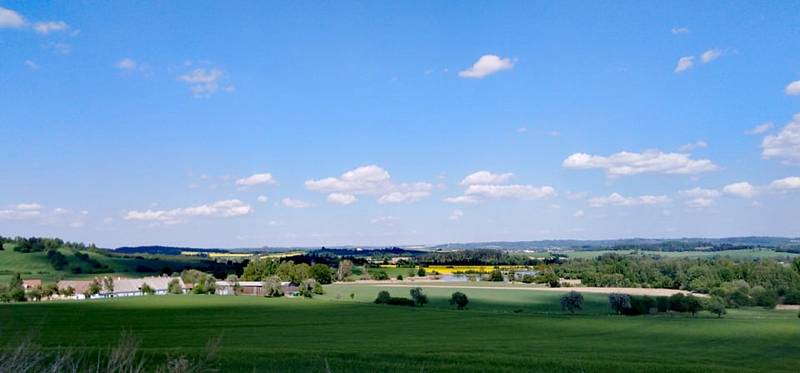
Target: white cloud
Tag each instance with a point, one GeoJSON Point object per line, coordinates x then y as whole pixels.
{"type": "Point", "coordinates": [680, 30]}
{"type": "Point", "coordinates": [699, 197]}
{"type": "Point", "coordinates": [761, 128]}
{"type": "Point", "coordinates": [32, 65]}
{"type": "Point", "coordinates": [295, 203]}
{"type": "Point", "coordinates": [62, 48]}
{"type": "Point", "coordinates": [21, 211]}
{"type": "Point", "coordinates": [486, 177]}
{"type": "Point", "coordinates": [522, 130]}
{"type": "Point", "coordinates": [256, 179]}
{"type": "Point", "coordinates": [403, 197]}
{"type": "Point", "coordinates": [225, 208]}
{"type": "Point", "coordinates": [651, 161]}
{"type": "Point", "coordinates": [388, 220]}
{"type": "Point", "coordinates": [741, 189]}
{"type": "Point", "coordinates": [710, 55]}
{"type": "Point", "coordinates": [785, 144]}
{"type": "Point", "coordinates": [341, 198]}
{"type": "Point", "coordinates": [29, 206]}
{"type": "Point", "coordinates": [371, 180]}
{"type": "Point", "coordinates": [10, 19]}
{"type": "Point", "coordinates": [579, 214]}
{"type": "Point", "coordinates": [126, 64]}
{"type": "Point", "coordinates": [456, 215]}
{"type": "Point", "coordinates": [793, 88]}
{"type": "Point", "coordinates": [45, 28]}
{"type": "Point", "coordinates": [792, 182]}
{"type": "Point", "coordinates": [462, 199]}
{"type": "Point", "coordinates": [262, 199]}
{"type": "Point", "coordinates": [515, 191]}
{"type": "Point", "coordinates": [202, 82]}
{"type": "Point", "coordinates": [684, 63]}
{"type": "Point", "coordinates": [692, 146]}
{"type": "Point", "coordinates": [616, 199]}
{"type": "Point", "coordinates": [486, 65]}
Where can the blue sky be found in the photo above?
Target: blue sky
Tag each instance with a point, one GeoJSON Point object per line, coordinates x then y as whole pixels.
{"type": "Point", "coordinates": [234, 124]}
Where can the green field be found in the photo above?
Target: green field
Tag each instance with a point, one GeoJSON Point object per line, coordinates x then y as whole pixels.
{"type": "Point", "coordinates": [36, 264]}
{"type": "Point", "coordinates": [344, 335]}
{"type": "Point", "coordinates": [745, 253]}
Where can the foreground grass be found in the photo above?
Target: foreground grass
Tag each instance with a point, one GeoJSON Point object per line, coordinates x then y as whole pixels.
{"type": "Point", "coordinates": [352, 335]}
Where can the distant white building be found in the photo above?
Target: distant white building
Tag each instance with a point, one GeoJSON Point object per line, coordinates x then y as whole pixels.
{"type": "Point", "coordinates": [131, 287]}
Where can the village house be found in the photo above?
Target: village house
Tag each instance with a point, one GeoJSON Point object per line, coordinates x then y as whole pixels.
{"type": "Point", "coordinates": [31, 284]}
{"type": "Point", "coordinates": [121, 287]}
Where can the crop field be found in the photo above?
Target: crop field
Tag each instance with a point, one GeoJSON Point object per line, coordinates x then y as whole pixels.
{"type": "Point", "coordinates": [746, 253]}
{"type": "Point", "coordinates": [451, 269]}
{"type": "Point", "coordinates": [502, 330]}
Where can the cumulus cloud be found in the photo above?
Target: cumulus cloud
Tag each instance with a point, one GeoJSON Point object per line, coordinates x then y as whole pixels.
{"type": "Point", "coordinates": [761, 128]}
{"type": "Point", "coordinates": [788, 183]}
{"type": "Point", "coordinates": [262, 199]}
{"type": "Point", "coordinates": [485, 177]}
{"type": "Point", "coordinates": [486, 65]}
{"type": "Point", "coordinates": [651, 161]}
{"type": "Point", "coordinates": [388, 220]}
{"type": "Point", "coordinates": [456, 215]}
{"type": "Point", "coordinates": [10, 19]}
{"type": "Point", "coordinates": [710, 55]}
{"type": "Point", "coordinates": [785, 144]}
{"type": "Point", "coordinates": [684, 63]}
{"type": "Point", "coordinates": [579, 214]}
{"type": "Point", "coordinates": [295, 203]}
{"type": "Point", "coordinates": [616, 199]}
{"type": "Point", "coordinates": [341, 198]}
{"type": "Point", "coordinates": [699, 197]}
{"type": "Point", "coordinates": [220, 209]}
{"type": "Point", "coordinates": [202, 82]}
{"type": "Point", "coordinates": [485, 185]}
{"type": "Point", "coordinates": [256, 179]}
{"type": "Point", "coordinates": [793, 88]}
{"type": "Point", "coordinates": [371, 180]}
{"type": "Point", "coordinates": [741, 189]}
{"type": "Point", "coordinates": [45, 28]}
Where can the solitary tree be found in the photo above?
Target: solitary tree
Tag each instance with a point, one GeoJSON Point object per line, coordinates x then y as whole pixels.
{"type": "Point", "coordinates": [322, 273]}
{"type": "Point", "coordinates": [272, 287]}
{"type": "Point", "coordinates": [459, 299]}
{"type": "Point", "coordinates": [572, 301]}
{"type": "Point", "coordinates": [496, 275]}
{"type": "Point", "coordinates": [619, 302]}
{"type": "Point", "coordinates": [308, 287]}
{"type": "Point", "coordinates": [16, 292]}
{"type": "Point", "coordinates": [421, 272]}
{"type": "Point", "coordinates": [418, 297]}
{"type": "Point", "coordinates": [692, 304]}
{"type": "Point", "coordinates": [108, 283]}
{"type": "Point", "coordinates": [345, 270]}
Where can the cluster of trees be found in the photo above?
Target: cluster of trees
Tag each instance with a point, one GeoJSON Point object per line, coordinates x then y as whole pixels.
{"type": "Point", "coordinates": [38, 244]}
{"type": "Point", "coordinates": [721, 276]}
{"type": "Point", "coordinates": [202, 283]}
{"type": "Point", "coordinates": [262, 269]}
{"type": "Point", "coordinates": [476, 257]}
{"type": "Point", "coordinates": [418, 298]}
{"type": "Point", "coordinates": [632, 305]}
{"type": "Point", "coordinates": [15, 291]}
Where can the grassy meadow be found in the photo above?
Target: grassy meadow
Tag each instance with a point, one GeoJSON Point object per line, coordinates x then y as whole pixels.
{"type": "Point", "coordinates": [503, 330]}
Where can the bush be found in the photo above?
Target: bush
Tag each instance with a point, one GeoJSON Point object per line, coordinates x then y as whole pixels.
{"type": "Point", "coordinates": [174, 287]}
{"type": "Point", "coordinates": [419, 298]}
{"type": "Point", "coordinates": [640, 305]}
{"type": "Point", "coordinates": [792, 297]}
{"type": "Point", "coordinates": [399, 277]}
{"type": "Point", "coordinates": [619, 302]}
{"type": "Point", "coordinates": [379, 275]}
{"type": "Point", "coordinates": [496, 275]}
{"type": "Point", "coordinates": [766, 298]}
{"type": "Point", "coordinates": [383, 297]}
{"type": "Point", "coordinates": [147, 289]}
{"type": "Point", "coordinates": [572, 301]}
{"type": "Point", "coordinates": [397, 301]}
{"type": "Point", "coordinates": [459, 299]}
{"type": "Point", "coordinates": [717, 307]}
{"type": "Point", "coordinates": [421, 272]}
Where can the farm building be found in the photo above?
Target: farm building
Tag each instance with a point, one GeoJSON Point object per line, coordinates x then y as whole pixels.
{"type": "Point", "coordinates": [32, 283]}
{"type": "Point", "coordinates": [128, 287]}
{"type": "Point", "coordinates": [250, 288]}
{"type": "Point", "coordinates": [78, 287]}
{"type": "Point", "coordinates": [519, 275]}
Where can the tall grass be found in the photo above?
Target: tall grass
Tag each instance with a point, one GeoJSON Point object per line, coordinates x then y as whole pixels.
{"type": "Point", "coordinates": [124, 357]}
